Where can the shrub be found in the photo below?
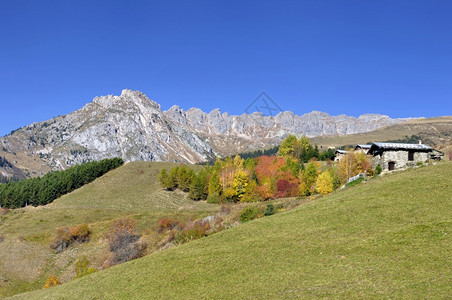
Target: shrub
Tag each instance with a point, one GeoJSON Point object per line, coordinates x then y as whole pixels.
{"type": "Point", "coordinates": [249, 213]}
{"type": "Point", "coordinates": [51, 282]}
{"type": "Point", "coordinates": [66, 236]}
{"type": "Point", "coordinates": [124, 243]}
{"type": "Point", "coordinates": [168, 224]}
{"type": "Point", "coordinates": [193, 231]}
{"type": "Point", "coordinates": [213, 198]}
{"type": "Point", "coordinates": [270, 210]}
{"type": "Point", "coordinates": [226, 209]}
{"type": "Point", "coordinates": [82, 267]}
{"type": "Point", "coordinates": [378, 169]}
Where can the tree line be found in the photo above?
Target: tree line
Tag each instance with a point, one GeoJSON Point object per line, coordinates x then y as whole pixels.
{"type": "Point", "coordinates": [43, 190]}
{"type": "Point", "coordinates": [294, 171]}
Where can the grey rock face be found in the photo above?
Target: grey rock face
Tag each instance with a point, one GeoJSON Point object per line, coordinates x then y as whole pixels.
{"type": "Point", "coordinates": [135, 128]}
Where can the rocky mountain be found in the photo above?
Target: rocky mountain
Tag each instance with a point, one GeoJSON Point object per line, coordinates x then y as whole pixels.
{"type": "Point", "coordinates": [135, 128]}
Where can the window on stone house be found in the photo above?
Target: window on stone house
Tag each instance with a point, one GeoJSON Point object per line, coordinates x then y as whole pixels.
{"type": "Point", "coordinates": [410, 156]}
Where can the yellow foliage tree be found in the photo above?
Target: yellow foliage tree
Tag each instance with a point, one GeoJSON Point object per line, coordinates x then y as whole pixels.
{"type": "Point", "coordinates": [324, 183]}
{"type": "Point", "coordinates": [240, 183]}
{"type": "Point", "coordinates": [352, 164]}
{"type": "Point", "coordinates": [348, 167]}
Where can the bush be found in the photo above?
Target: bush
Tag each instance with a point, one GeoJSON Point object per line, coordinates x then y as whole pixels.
{"type": "Point", "coordinates": [82, 267]}
{"type": "Point", "coordinates": [66, 236]}
{"type": "Point", "coordinates": [226, 209]}
{"type": "Point", "coordinates": [124, 243]}
{"type": "Point", "coordinates": [213, 198]}
{"type": "Point", "coordinates": [168, 224]}
{"type": "Point", "coordinates": [270, 210]}
{"type": "Point", "coordinates": [378, 169]}
{"type": "Point", "coordinates": [193, 231]}
{"type": "Point", "coordinates": [249, 213]}
{"type": "Point", "coordinates": [51, 282]}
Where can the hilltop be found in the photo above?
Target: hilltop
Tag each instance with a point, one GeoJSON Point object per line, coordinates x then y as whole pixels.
{"type": "Point", "coordinates": [387, 238]}
{"type": "Point", "coordinates": [135, 128]}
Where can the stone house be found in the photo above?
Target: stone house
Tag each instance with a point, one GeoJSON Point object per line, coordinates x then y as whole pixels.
{"type": "Point", "coordinates": [394, 156]}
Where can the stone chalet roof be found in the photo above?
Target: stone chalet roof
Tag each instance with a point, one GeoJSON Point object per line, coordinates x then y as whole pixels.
{"type": "Point", "coordinates": [399, 146]}
{"type": "Point", "coordinates": [363, 146]}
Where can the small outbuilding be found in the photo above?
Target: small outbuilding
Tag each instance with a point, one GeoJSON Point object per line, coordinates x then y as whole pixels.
{"type": "Point", "coordinates": [339, 154]}
{"type": "Point", "coordinates": [363, 148]}
{"type": "Point", "coordinates": [393, 156]}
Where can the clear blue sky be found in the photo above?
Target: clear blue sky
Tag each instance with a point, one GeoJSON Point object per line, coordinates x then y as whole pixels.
{"type": "Point", "coordinates": [352, 57]}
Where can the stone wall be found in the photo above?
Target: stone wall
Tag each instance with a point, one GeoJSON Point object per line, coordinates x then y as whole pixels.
{"type": "Point", "coordinates": [400, 158]}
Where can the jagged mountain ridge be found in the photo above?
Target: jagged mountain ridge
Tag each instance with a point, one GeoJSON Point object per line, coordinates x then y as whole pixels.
{"type": "Point", "coordinates": [134, 127]}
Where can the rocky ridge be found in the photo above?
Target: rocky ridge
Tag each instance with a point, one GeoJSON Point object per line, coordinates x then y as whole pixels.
{"type": "Point", "coordinates": [135, 128]}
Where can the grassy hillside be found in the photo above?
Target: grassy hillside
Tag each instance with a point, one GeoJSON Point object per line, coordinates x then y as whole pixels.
{"type": "Point", "coordinates": [435, 131]}
{"type": "Point", "coordinates": [388, 238]}
{"type": "Point", "coordinates": [132, 190]}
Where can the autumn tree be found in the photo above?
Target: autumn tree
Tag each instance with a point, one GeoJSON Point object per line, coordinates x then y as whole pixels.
{"type": "Point", "coordinates": [288, 146]}
{"type": "Point", "coordinates": [324, 183]}
{"type": "Point", "coordinates": [251, 193]}
{"type": "Point", "coordinates": [239, 184]}
{"type": "Point", "coordinates": [352, 164]}
{"type": "Point", "coordinates": [308, 178]}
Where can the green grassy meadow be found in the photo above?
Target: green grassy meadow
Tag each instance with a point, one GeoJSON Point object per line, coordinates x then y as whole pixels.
{"type": "Point", "coordinates": [26, 260]}
{"type": "Point", "coordinates": [386, 238]}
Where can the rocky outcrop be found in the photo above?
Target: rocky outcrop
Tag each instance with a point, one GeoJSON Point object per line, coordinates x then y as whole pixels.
{"type": "Point", "coordinates": [133, 127]}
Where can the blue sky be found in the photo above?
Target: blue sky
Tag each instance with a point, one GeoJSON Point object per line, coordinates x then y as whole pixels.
{"type": "Point", "coordinates": [351, 57]}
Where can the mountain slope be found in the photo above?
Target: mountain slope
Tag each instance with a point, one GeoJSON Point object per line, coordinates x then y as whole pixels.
{"type": "Point", "coordinates": [135, 128]}
{"type": "Point", "coordinates": [132, 190]}
{"type": "Point", "coordinates": [388, 238]}
{"type": "Point", "coordinates": [433, 131]}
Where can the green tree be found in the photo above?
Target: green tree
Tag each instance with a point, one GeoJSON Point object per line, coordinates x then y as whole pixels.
{"type": "Point", "coordinates": [184, 178]}
{"type": "Point", "coordinates": [199, 186]}
{"type": "Point", "coordinates": [214, 188]}
{"type": "Point", "coordinates": [287, 147]}
{"type": "Point", "coordinates": [166, 181]}
{"type": "Point", "coordinates": [308, 178]}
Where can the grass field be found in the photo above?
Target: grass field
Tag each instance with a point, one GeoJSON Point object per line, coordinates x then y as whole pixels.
{"type": "Point", "coordinates": [132, 190]}
{"type": "Point", "coordinates": [387, 238]}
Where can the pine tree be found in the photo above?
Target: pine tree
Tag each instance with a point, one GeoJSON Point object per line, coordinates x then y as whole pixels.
{"type": "Point", "coordinates": [167, 181]}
